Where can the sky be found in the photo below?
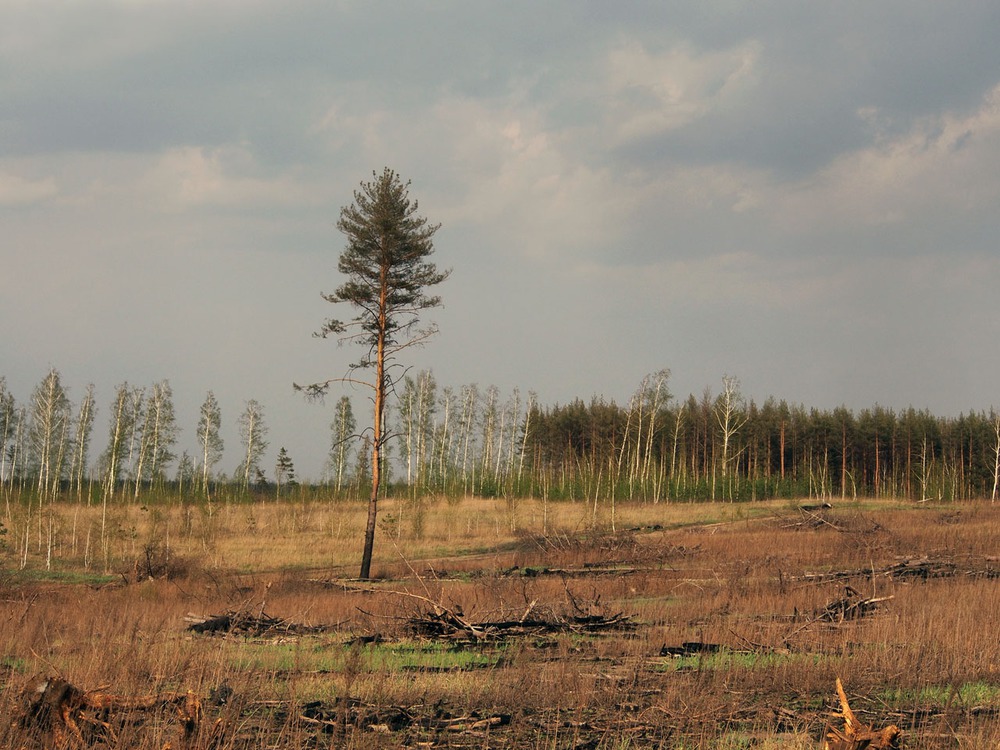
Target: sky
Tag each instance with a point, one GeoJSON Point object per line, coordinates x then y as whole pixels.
{"type": "Point", "coordinates": [800, 195]}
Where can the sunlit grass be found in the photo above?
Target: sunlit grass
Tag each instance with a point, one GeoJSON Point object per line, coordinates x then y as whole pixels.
{"type": "Point", "coordinates": [318, 656]}
{"type": "Point", "coordinates": [967, 694]}
{"type": "Point", "coordinates": [732, 575]}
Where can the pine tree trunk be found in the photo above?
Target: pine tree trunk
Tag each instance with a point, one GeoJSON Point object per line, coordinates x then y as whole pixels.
{"type": "Point", "coordinates": [380, 387]}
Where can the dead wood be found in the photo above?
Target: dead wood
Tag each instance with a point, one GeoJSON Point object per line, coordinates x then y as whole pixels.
{"type": "Point", "coordinates": [858, 736]}
{"type": "Point", "coordinates": [816, 506]}
{"type": "Point", "coordinates": [850, 607]}
{"type": "Point", "coordinates": [334, 717]}
{"type": "Point", "coordinates": [587, 570]}
{"type": "Point", "coordinates": [251, 624]}
{"type": "Point", "coordinates": [913, 570]}
{"type": "Point", "coordinates": [63, 711]}
{"type": "Point", "coordinates": [813, 517]}
{"type": "Point", "coordinates": [690, 648]}
{"type": "Point", "coordinates": [451, 623]}
{"type": "Point", "coordinates": [156, 562]}
{"type": "Point", "coordinates": [438, 624]}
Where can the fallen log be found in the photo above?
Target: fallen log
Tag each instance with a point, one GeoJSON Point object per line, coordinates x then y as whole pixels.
{"type": "Point", "coordinates": [919, 570]}
{"type": "Point", "coordinates": [690, 648]}
{"type": "Point", "coordinates": [444, 625]}
{"type": "Point", "coordinates": [858, 736]}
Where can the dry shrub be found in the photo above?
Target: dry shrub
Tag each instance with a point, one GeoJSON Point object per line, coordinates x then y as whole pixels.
{"type": "Point", "coordinates": [157, 560]}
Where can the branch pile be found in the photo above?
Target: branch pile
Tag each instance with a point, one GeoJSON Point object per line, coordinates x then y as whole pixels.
{"type": "Point", "coordinates": [248, 624]}
{"type": "Point", "coordinates": [850, 607]}
{"type": "Point", "coordinates": [915, 570]}
{"type": "Point", "coordinates": [59, 709]}
{"type": "Point", "coordinates": [442, 622]}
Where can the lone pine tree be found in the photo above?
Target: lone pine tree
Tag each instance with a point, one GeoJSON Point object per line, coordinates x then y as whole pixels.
{"type": "Point", "coordinates": [284, 471]}
{"type": "Point", "coordinates": [387, 269]}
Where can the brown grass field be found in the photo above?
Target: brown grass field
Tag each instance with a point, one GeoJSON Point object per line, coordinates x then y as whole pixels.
{"type": "Point", "coordinates": [500, 625]}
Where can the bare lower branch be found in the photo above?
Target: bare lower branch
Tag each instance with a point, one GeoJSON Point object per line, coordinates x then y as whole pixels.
{"type": "Point", "coordinates": [318, 391]}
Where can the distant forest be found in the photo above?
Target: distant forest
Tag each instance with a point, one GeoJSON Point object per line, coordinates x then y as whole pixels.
{"type": "Point", "coordinates": [475, 441]}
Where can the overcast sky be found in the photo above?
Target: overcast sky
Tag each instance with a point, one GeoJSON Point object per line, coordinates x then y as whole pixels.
{"type": "Point", "coordinates": [801, 195]}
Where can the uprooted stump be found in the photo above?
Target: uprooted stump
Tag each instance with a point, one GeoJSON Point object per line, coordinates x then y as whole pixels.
{"type": "Point", "coordinates": [858, 736]}
{"type": "Point", "coordinates": [59, 709]}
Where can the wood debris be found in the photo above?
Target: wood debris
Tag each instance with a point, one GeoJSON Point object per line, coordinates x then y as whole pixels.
{"type": "Point", "coordinates": [858, 736]}
{"type": "Point", "coordinates": [442, 622]}
{"type": "Point", "coordinates": [73, 717]}
{"type": "Point", "coordinates": [852, 606]}
{"type": "Point", "coordinates": [248, 624]}
{"type": "Point", "coordinates": [690, 648]}
{"type": "Point", "coordinates": [336, 716]}
{"type": "Point", "coordinates": [914, 570]}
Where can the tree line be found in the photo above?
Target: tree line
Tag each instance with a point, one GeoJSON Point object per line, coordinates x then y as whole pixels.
{"type": "Point", "coordinates": [474, 440]}
{"type": "Point", "coordinates": [657, 447]}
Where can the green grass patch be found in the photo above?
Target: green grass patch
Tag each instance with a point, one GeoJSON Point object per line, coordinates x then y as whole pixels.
{"type": "Point", "coordinates": [967, 694]}
{"type": "Point", "coordinates": [314, 656]}
{"type": "Point", "coordinates": [729, 660]}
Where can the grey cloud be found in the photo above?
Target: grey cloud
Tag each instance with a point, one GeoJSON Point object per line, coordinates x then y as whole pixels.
{"type": "Point", "coordinates": [179, 167]}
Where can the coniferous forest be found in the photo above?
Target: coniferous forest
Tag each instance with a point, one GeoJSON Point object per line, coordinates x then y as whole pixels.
{"type": "Point", "coordinates": [477, 441]}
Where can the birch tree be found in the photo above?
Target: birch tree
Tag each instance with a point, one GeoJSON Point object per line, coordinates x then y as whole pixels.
{"type": "Point", "coordinates": [8, 422]}
{"type": "Point", "coordinates": [252, 431]}
{"type": "Point", "coordinates": [730, 415]}
{"type": "Point", "coordinates": [163, 423]}
{"type": "Point", "coordinates": [443, 438]}
{"type": "Point", "coordinates": [48, 432]}
{"type": "Point", "coordinates": [426, 407]}
{"type": "Point", "coordinates": [657, 395]}
{"type": "Point", "coordinates": [408, 420]}
{"type": "Point", "coordinates": [136, 449]}
{"type": "Point", "coordinates": [470, 398]}
{"type": "Point", "coordinates": [388, 270]}
{"type": "Point", "coordinates": [81, 444]}
{"type": "Point", "coordinates": [489, 421]}
{"type": "Point", "coordinates": [416, 412]}
{"type": "Point", "coordinates": [505, 455]}
{"type": "Point", "coordinates": [995, 419]}
{"type": "Point", "coordinates": [119, 428]}
{"type": "Point", "coordinates": [16, 449]}
{"type": "Point", "coordinates": [210, 443]}
{"type": "Point", "coordinates": [525, 432]}
{"type": "Point", "coordinates": [342, 432]}
{"type": "Point", "coordinates": [157, 436]}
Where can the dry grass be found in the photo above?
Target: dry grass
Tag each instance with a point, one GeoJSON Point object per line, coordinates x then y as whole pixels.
{"type": "Point", "coordinates": [740, 577]}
